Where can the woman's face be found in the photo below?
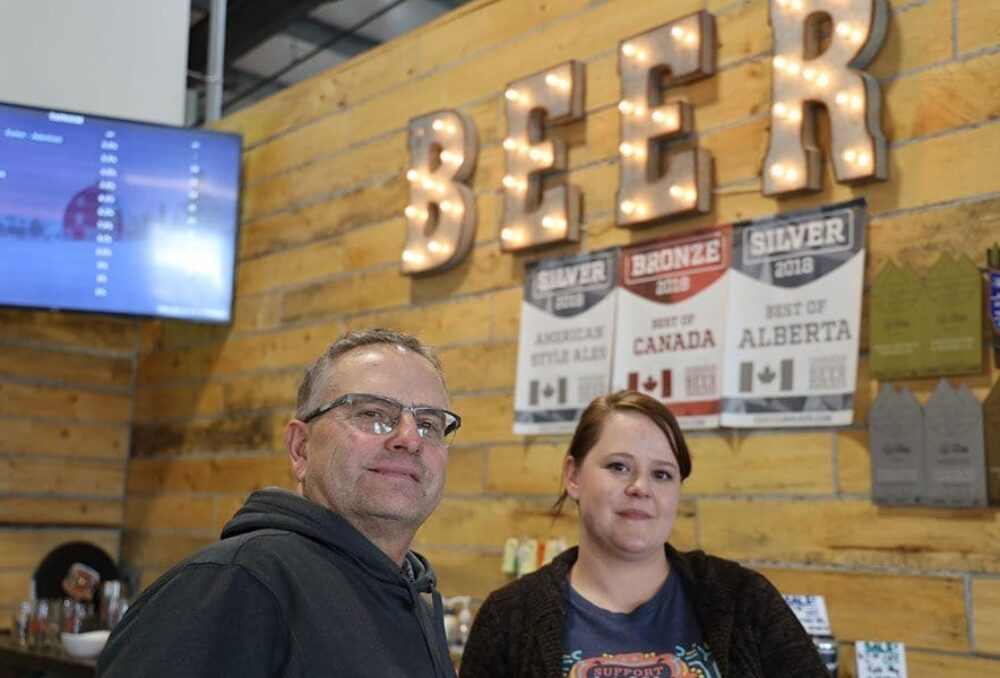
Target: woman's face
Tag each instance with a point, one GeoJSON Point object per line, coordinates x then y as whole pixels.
{"type": "Point", "coordinates": [627, 488]}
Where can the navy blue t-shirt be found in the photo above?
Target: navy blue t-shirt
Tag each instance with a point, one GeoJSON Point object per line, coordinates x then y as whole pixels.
{"type": "Point", "coordinates": [659, 639]}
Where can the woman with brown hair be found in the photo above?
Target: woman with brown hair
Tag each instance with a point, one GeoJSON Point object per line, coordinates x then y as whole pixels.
{"type": "Point", "coordinates": [625, 602]}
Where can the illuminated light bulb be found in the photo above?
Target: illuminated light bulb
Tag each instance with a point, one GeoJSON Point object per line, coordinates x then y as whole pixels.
{"type": "Point", "coordinates": [413, 257]}
{"type": "Point", "coordinates": [691, 39]}
{"type": "Point", "coordinates": [628, 49]}
{"type": "Point", "coordinates": [512, 95]}
{"type": "Point", "coordinates": [793, 67]}
{"type": "Point", "coordinates": [780, 62]}
{"type": "Point", "coordinates": [641, 210]}
{"type": "Point", "coordinates": [553, 80]}
{"type": "Point", "coordinates": [690, 195]}
{"type": "Point", "coordinates": [535, 154]}
{"type": "Point", "coordinates": [666, 119]}
{"type": "Point", "coordinates": [640, 152]}
{"type": "Point", "coordinates": [857, 36]}
{"type": "Point", "coordinates": [412, 175]}
{"type": "Point", "coordinates": [795, 115]}
{"type": "Point", "coordinates": [856, 103]}
{"type": "Point", "coordinates": [438, 125]}
{"type": "Point", "coordinates": [512, 235]}
{"type": "Point", "coordinates": [411, 212]}
{"type": "Point", "coordinates": [677, 32]}
{"type": "Point", "coordinates": [446, 206]}
{"type": "Point", "coordinates": [553, 223]}
{"type": "Point", "coordinates": [823, 80]}
{"type": "Point", "coordinates": [451, 158]}
{"type": "Point", "coordinates": [627, 207]}
{"type": "Point", "coordinates": [626, 149]}
{"type": "Point", "coordinates": [850, 155]}
{"type": "Point", "coordinates": [809, 73]}
{"type": "Point", "coordinates": [783, 3]}
{"type": "Point", "coordinates": [626, 106]}
{"type": "Point", "coordinates": [428, 184]}
{"type": "Point", "coordinates": [509, 144]}
{"type": "Point", "coordinates": [640, 110]}
{"type": "Point", "coordinates": [777, 170]}
{"type": "Point", "coordinates": [796, 5]}
{"type": "Point", "coordinates": [780, 110]}
{"type": "Point", "coordinates": [509, 181]}
{"type": "Point", "coordinates": [792, 174]}
{"type": "Point", "coordinates": [864, 160]}
{"type": "Point", "coordinates": [676, 191]}
{"type": "Point", "coordinates": [641, 55]}
{"type": "Point", "coordinates": [842, 98]}
{"type": "Point", "coordinates": [438, 247]}
{"type": "Point", "coordinates": [843, 29]}
{"type": "Point", "coordinates": [524, 99]}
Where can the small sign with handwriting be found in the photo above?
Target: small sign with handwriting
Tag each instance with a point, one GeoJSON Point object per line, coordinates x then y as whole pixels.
{"type": "Point", "coordinates": [880, 660]}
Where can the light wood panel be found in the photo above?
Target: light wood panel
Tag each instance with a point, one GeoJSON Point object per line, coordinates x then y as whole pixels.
{"type": "Point", "coordinates": [923, 612]}
{"type": "Point", "coordinates": [853, 532]}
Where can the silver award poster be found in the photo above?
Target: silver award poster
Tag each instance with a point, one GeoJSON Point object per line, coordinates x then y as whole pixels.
{"type": "Point", "coordinates": [794, 318]}
{"type": "Point", "coordinates": [564, 350]}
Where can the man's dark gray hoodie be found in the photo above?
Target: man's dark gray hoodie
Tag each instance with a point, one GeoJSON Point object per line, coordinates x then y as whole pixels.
{"type": "Point", "coordinates": [291, 590]}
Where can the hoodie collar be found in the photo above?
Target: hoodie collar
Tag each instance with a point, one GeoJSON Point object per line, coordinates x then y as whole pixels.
{"type": "Point", "coordinates": [278, 509]}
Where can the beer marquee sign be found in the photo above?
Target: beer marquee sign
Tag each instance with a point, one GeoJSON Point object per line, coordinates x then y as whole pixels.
{"type": "Point", "coordinates": [654, 183]}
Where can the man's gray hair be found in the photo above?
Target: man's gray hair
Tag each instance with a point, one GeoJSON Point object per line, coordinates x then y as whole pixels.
{"type": "Point", "coordinates": [318, 373]}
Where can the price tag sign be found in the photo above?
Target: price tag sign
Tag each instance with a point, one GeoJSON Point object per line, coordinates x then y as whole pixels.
{"type": "Point", "coordinates": [880, 660]}
{"type": "Point", "coordinates": [811, 611]}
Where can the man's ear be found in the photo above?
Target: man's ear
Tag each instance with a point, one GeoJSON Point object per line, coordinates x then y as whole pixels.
{"type": "Point", "coordinates": [297, 444]}
{"type": "Point", "coordinates": [570, 478]}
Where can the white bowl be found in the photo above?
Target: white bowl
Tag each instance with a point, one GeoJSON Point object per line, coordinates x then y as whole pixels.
{"type": "Point", "coordinates": [84, 645]}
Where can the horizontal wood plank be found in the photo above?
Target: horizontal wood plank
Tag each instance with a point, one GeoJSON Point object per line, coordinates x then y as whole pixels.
{"type": "Point", "coordinates": [26, 436]}
{"type": "Point", "coordinates": [854, 533]}
{"type": "Point", "coordinates": [60, 511]}
{"type": "Point", "coordinates": [923, 612]}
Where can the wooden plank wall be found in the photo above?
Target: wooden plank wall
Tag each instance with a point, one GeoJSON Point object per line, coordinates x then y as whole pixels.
{"type": "Point", "coordinates": [66, 385]}
{"type": "Point", "coordinates": [321, 240]}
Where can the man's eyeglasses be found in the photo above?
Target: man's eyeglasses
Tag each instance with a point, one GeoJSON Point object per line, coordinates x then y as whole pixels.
{"type": "Point", "coordinates": [376, 414]}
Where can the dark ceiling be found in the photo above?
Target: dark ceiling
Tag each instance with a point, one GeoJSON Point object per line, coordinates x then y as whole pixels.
{"type": "Point", "coordinates": [271, 44]}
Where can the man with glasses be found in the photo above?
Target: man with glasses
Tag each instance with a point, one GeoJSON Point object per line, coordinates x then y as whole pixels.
{"type": "Point", "coordinates": [321, 581]}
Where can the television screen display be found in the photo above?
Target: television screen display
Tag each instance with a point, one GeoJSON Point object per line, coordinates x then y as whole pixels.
{"type": "Point", "coordinates": [111, 216]}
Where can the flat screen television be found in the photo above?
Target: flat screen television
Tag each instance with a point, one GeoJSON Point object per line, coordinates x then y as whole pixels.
{"type": "Point", "coordinates": [113, 216]}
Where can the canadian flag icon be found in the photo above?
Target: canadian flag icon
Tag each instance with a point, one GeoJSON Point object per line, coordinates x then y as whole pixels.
{"type": "Point", "coordinates": [649, 383]}
{"type": "Point", "coordinates": [541, 390]}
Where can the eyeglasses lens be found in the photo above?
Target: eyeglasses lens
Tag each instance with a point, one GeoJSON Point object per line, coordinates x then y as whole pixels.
{"type": "Point", "coordinates": [373, 414]}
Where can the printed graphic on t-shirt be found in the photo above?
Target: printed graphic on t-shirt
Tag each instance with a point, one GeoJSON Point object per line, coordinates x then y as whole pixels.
{"type": "Point", "coordinates": [693, 662]}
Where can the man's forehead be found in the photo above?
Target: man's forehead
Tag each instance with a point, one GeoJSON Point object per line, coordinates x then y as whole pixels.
{"type": "Point", "coordinates": [378, 365]}
{"type": "Point", "coordinates": [377, 354]}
